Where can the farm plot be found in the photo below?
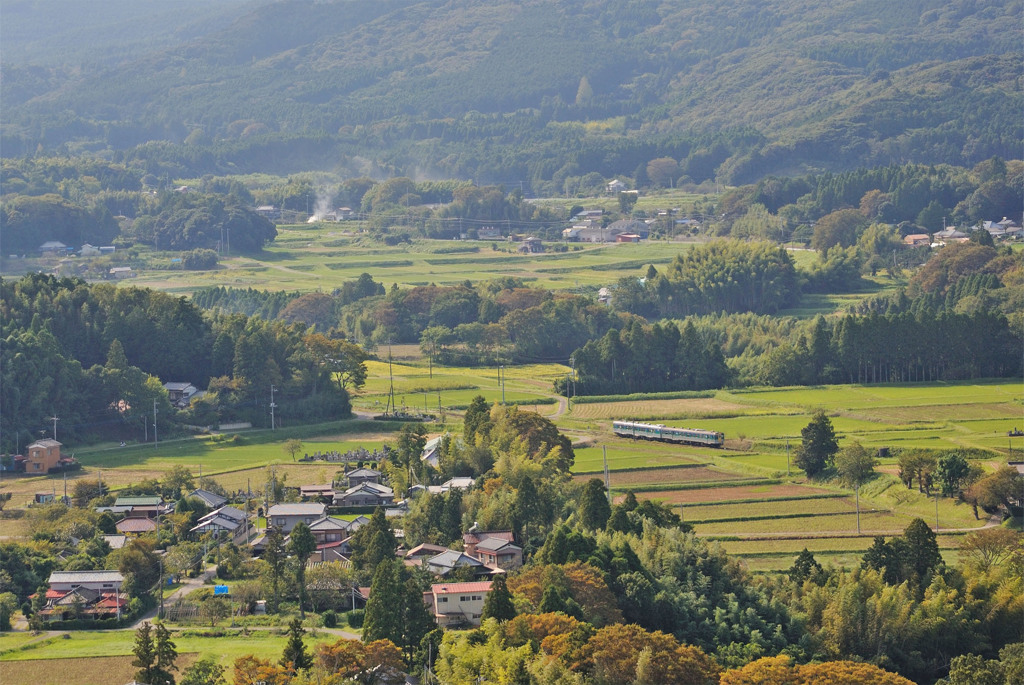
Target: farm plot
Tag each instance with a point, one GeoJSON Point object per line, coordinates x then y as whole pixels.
{"type": "Point", "coordinates": [649, 410]}
{"type": "Point", "coordinates": [667, 477]}
{"type": "Point", "coordinates": [707, 513]}
{"type": "Point", "coordinates": [620, 457]}
{"type": "Point", "coordinates": [731, 494]}
{"type": "Point", "coordinates": [793, 546]}
{"type": "Point", "coordinates": [83, 671]}
{"type": "Point", "coordinates": [876, 523]}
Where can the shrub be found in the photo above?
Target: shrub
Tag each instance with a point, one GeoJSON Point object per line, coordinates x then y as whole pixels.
{"type": "Point", "coordinates": [355, 618]}
{"type": "Point", "coordinates": [329, 619]}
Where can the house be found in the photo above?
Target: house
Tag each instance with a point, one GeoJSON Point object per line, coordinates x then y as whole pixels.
{"type": "Point", "coordinates": [499, 553]}
{"type": "Point", "coordinates": [362, 475]}
{"type": "Point", "coordinates": [425, 551]}
{"type": "Point", "coordinates": [531, 245]}
{"type": "Point", "coordinates": [459, 483]}
{"type": "Point", "coordinates": [89, 251]}
{"type": "Point", "coordinates": [180, 393]}
{"type": "Point", "coordinates": [457, 604]}
{"type": "Point", "coordinates": [615, 186]}
{"type": "Point", "coordinates": [327, 529]}
{"type": "Point", "coordinates": [628, 226]}
{"type": "Point", "coordinates": [269, 212]}
{"type": "Point", "coordinates": [917, 239]}
{"type": "Point", "coordinates": [143, 505]}
{"type": "Point", "coordinates": [120, 272]}
{"type": "Point", "coordinates": [226, 520]}
{"type": "Point", "coordinates": [318, 493]}
{"type": "Point", "coordinates": [133, 526]}
{"type": "Point", "coordinates": [344, 214]}
{"type": "Point", "coordinates": [210, 499]}
{"type": "Point", "coordinates": [53, 248]}
{"type": "Point", "coordinates": [332, 552]}
{"type": "Point", "coordinates": [449, 560]}
{"type": "Point", "coordinates": [365, 495]}
{"type": "Point", "coordinates": [472, 537]}
{"type": "Point", "coordinates": [42, 456]}
{"type": "Point", "coordinates": [116, 541]}
{"type": "Point", "coordinates": [949, 234]}
{"type": "Point", "coordinates": [286, 516]}
{"type": "Point", "coordinates": [432, 451]}
{"type": "Point", "coordinates": [89, 594]}
{"type": "Point", "coordinates": [592, 214]}
{"type": "Point", "coordinates": [489, 233]}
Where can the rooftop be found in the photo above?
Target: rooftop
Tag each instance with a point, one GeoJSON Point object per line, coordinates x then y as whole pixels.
{"type": "Point", "coordinates": [456, 588]}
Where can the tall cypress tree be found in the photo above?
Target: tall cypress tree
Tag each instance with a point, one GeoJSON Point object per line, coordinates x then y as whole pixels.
{"type": "Point", "coordinates": [295, 655]}
{"type": "Point", "coordinates": [383, 619]}
{"type": "Point", "coordinates": [499, 601]}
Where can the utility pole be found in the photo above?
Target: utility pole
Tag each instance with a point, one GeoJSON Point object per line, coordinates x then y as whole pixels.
{"type": "Point", "coordinates": [501, 379]}
{"type": "Point", "coordinates": [273, 426]}
{"type": "Point", "coordinates": [55, 420]}
{"type": "Point", "coordinates": [155, 441]}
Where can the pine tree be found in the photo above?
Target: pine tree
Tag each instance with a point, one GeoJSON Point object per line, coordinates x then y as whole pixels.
{"type": "Point", "coordinates": [499, 601]}
{"type": "Point", "coordinates": [818, 446]}
{"type": "Point", "coordinates": [295, 656]}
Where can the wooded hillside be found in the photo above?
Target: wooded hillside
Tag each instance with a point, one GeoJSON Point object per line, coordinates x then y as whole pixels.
{"type": "Point", "coordinates": [528, 92]}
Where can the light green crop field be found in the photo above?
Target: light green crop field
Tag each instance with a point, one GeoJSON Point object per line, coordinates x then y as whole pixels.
{"type": "Point", "coordinates": [306, 258]}
{"type": "Point", "coordinates": [711, 512]}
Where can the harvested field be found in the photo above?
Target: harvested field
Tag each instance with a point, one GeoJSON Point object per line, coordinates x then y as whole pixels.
{"type": "Point", "coordinates": [712, 512]}
{"type": "Point", "coordinates": [97, 670]}
{"type": "Point", "coordinates": [732, 493]}
{"type": "Point", "coordinates": [647, 410]}
{"type": "Point", "coordinates": [875, 523]}
{"type": "Point", "coordinates": [694, 474]}
{"type": "Point", "coordinates": [794, 546]}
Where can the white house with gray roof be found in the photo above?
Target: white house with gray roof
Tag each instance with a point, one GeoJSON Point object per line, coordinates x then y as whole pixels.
{"type": "Point", "coordinates": [286, 516]}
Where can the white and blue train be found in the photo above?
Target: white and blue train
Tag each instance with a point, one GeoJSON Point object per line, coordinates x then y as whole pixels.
{"type": "Point", "coordinates": [651, 431]}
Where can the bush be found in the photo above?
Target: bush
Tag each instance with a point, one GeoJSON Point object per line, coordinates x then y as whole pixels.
{"type": "Point", "coordinates": [199, 260]}
{"type": "Point", "coordinates": [355, 618]}
{"type": "Point", "coordinates": [329, 619]}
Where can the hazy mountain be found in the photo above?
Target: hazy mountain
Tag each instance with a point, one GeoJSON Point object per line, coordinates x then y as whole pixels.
{"type": "Point", "coordinates": [504, 89]}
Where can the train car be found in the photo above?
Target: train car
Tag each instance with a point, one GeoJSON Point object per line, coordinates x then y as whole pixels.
{"type": "Point", "coordinates": [657, 431]}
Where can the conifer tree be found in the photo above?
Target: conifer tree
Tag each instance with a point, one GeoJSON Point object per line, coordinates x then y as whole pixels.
{"type": "Point", "coordinates": [295, 656]}
{"type": "Point", "coordinates": [499, 601]}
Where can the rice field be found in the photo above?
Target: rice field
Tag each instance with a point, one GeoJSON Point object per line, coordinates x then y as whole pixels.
{"type": "Point", "coordinates": [649, 410]}
{"type": "Point", "coordinates": [874, 523]}
{"type": "Point", "coordinates": [730, 494]}
{"type": "Point", "coordinates": [801, 507]}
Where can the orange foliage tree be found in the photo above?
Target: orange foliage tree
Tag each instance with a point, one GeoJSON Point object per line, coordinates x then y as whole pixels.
{"type": "Point", "coordinates": [627, 653]}
{"type": "Point", "coordinates": [348, 659]}
{"type": "Point", "coordinates": [780, 670]}
{"type": "Point", "coordinates": [535, 627]}
{"type": "Point", "coordinates": [251, 670]}
{"type": "Point", "coordinates": [584, 583]}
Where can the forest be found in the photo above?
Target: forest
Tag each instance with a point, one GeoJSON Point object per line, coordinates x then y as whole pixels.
{"type": "Point", "coordinates": [539, 93]}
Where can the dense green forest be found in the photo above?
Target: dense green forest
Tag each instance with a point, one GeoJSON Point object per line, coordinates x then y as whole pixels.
{"type": "Point", "coordinates": [538, 93]}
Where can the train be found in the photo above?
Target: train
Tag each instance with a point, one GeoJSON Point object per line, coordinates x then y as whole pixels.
{"type": "Point", "coordinates": [652, 431]}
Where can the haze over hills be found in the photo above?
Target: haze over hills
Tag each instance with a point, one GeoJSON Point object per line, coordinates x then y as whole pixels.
{"type": "Point", "coordinates": [528, 91]}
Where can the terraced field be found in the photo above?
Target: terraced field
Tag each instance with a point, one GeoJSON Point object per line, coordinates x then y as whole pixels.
{"type": "Point", "coordinates": [749, 495]}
